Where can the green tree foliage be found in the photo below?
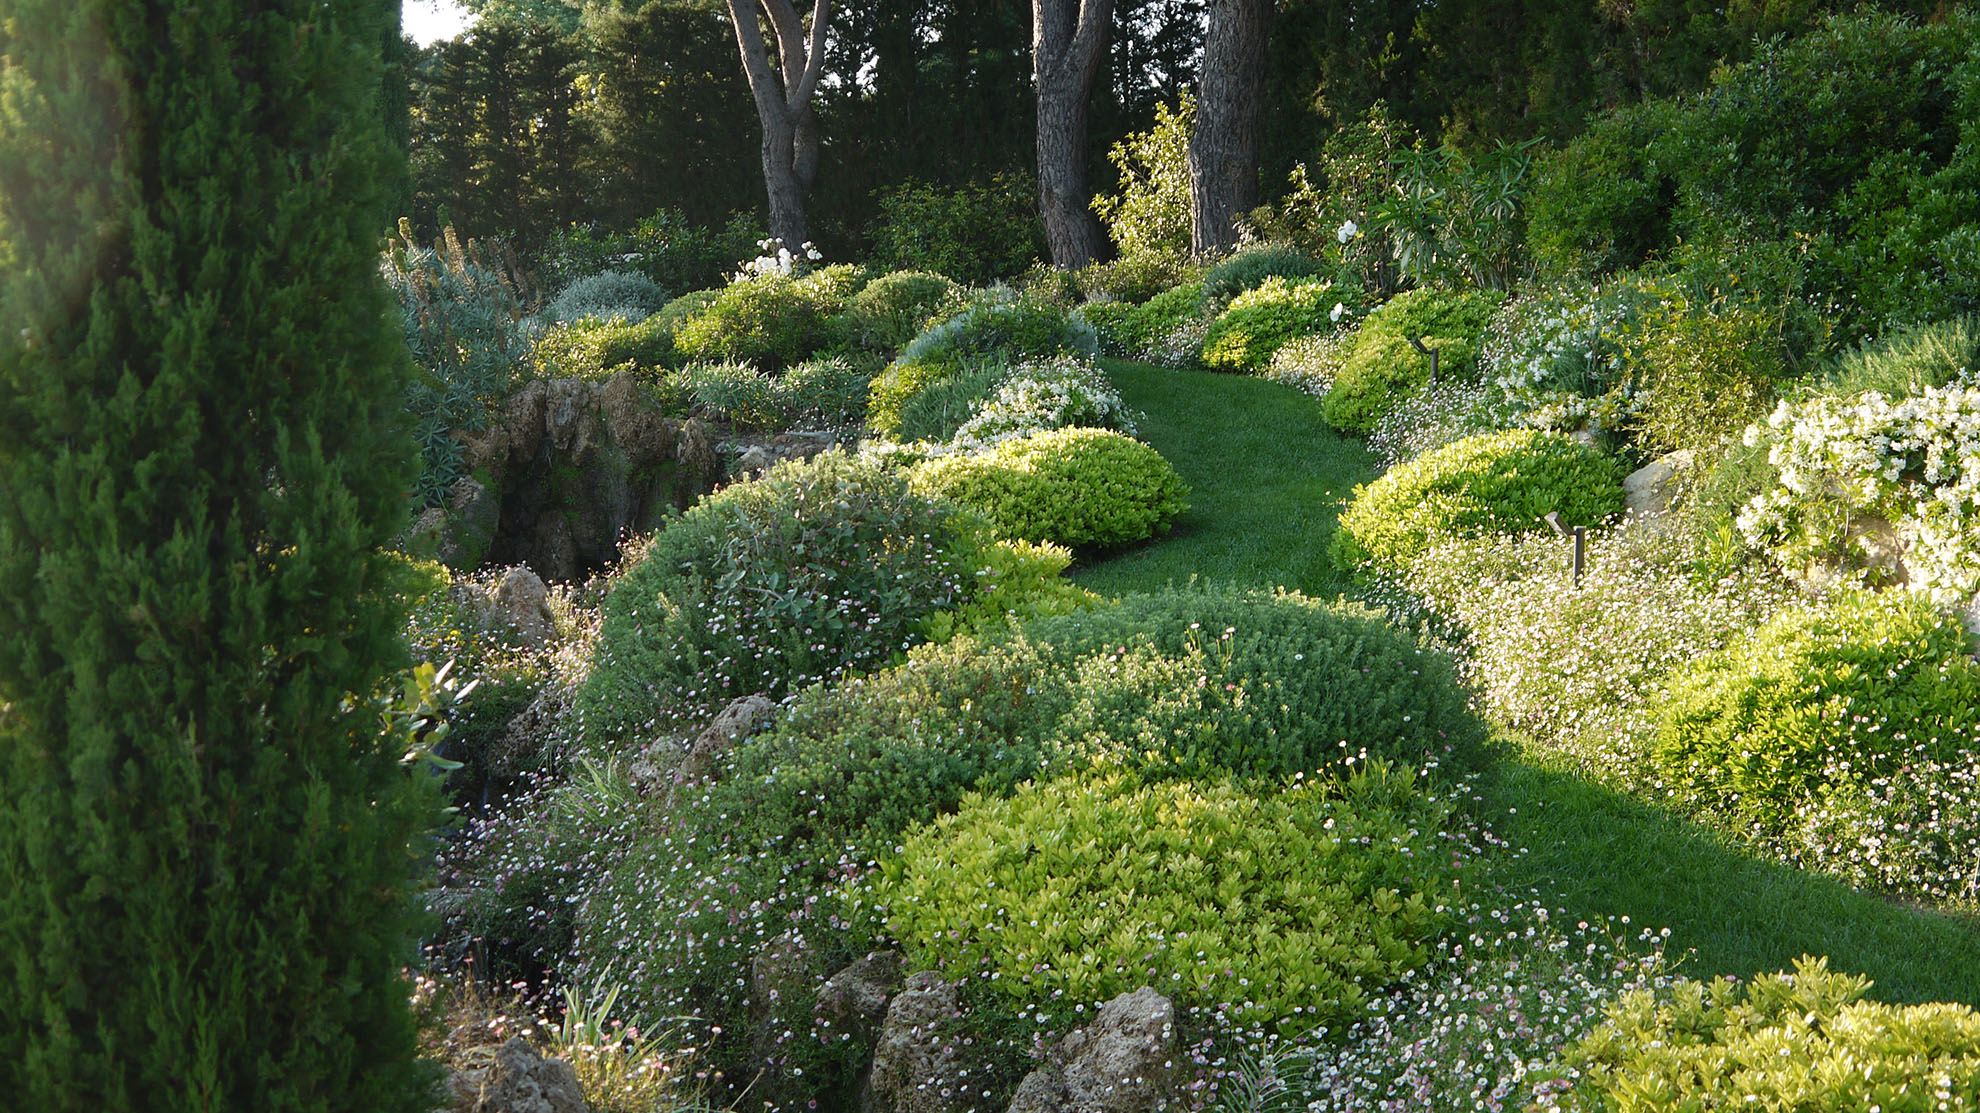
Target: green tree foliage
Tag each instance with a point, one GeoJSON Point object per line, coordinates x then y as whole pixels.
{"type": "Point", "coordinates": [1150, 214]}
{"type": "Point", "coordinates": [204, 827]}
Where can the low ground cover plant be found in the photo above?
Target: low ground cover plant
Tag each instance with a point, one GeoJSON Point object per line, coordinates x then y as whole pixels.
{"type": "Point", "coordinates": [1082, 488]}
{"type": "Point", "coordinates": [1489, 483]}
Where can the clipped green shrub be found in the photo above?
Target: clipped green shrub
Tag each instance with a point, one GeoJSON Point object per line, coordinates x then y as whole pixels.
{"type": "Point", "coordinates": [1819, 699]}
{"type": "Point", "coordinates": [1487, 483]}
{"type": "Point", "coordinates": [593, 348]}
{"type": "Point", "coordinates": [894, 308]}
{"type": "Point", "coordinates": [1248, 270]}
{"type": "Point", "coordinates": [1801, 1041]}
{"type": "Point", "coordinates": [1091, 488]}
{"type": "Point", "coordinates": [771, 320]}
{"type": "Point", "coordinates": [1271, 684]}
{"type": "Point", "coordinates": [1134, 279]}
{"type": "Point", "coordinates": [1286, 909]}
{"type": "Point", "coordinates": [1260, 320]}
{"type": "Point", "coordinates": [1382, 368]}
{"type": "Point", "coordinates": [819, 568]}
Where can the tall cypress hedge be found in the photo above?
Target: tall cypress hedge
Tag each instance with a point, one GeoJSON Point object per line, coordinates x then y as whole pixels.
{"type": "Point", "coordinates": [207, 842]}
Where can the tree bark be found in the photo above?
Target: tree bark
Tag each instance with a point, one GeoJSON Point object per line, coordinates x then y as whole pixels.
{"type": "Point", "coordinates": [783, 95]}
{"type": "Point", "coordinates": [1068, 42]}
{"type": "Point", "coordinates": [1230, 116]}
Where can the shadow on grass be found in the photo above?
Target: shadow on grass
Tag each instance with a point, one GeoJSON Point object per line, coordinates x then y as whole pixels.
{"type": "Point", "coordinates": [1596, 853]}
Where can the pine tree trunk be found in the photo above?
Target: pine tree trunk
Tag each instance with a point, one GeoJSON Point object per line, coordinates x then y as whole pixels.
{"type": "Point", "coordinates": [208, 866]}
{"type": "Point", "coordinates": [1069, 40]}
{"type": "Point", "coordinates": [1230, 114]}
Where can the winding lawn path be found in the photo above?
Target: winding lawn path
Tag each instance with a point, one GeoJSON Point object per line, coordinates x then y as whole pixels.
{"type": "Point", "coordinates": [1267, 480]}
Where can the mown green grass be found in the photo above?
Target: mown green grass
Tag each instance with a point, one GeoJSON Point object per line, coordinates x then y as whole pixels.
{"type": "Point", "coordinates": [1267, 480]}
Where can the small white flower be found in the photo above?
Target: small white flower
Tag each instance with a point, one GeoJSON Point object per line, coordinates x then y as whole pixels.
{"type": "Point", "coordinates": [1348, 231]}
{"type": "Point", "coordinates": [1335, 314]}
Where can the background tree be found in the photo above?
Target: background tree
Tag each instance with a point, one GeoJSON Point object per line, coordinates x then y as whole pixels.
{"type": "Point", "coordinates": [205, 833]}
{"type": "Point", "coordinates": [784, 108]}
{"type": "Point", "coordinates": [1230, 113]}
{"type": "Point", "coordinates": [1068, 43]}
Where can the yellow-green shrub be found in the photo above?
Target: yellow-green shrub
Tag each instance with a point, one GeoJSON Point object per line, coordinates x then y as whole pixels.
{"type": "Point", "coordinates": [1381, 367]}
{"type": "Point", "coordinates": [1805, 1041]}
{"type": "Point", "coordinates": [1287, 908]}
{"type": "Point", "coordinates": [1259, 320]}
{"type": "Point", "coordinates": [1488, 483]}
{"type": "Point", "coordinates": [1074, 487]}
{"type": "Point", "coordinates": [771, 320]}
{"type": "Point", "coordinates": [1819, 699]}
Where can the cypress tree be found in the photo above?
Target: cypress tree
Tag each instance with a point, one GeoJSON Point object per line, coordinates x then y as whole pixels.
{"type": "Point", "coordinates": [206, 837]}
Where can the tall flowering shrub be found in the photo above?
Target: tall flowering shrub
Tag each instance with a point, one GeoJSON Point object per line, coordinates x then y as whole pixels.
{"type": "Point", "coordinates": [1912, 462]}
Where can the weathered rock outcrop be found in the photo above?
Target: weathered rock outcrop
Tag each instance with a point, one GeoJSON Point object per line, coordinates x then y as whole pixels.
{"type": "Point", "coordinates": [519, 1081]}
{"type": "Point", "coordinates": [563, 472]}
{"type": "Point", "coordinates": [917, 1063]}
{"type": "Point", "coordinates": [1649, 490]}
{"type": "Point", "coordinates": [1124, 1062]}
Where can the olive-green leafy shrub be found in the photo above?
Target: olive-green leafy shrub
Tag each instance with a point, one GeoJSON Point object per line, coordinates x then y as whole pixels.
{"type": "Point", "coordinates": [893, 309]}
{"type": "Point", "coordinates": [1817, 700]}
{"type": "Point", "coordinates": [1134, 279]}
{"type": "Point", "coordinates": [975, 233]}
{"type": "Point", "coordinates": [1382, 368]}
{"type": "Point", "coordinates": [591, 348]}
{"type": "Point", "coordinates": [1113, 324]}
{"type": "Point", "coordinates": [1806, 1041]}
{"type": "Point", "coordinates": [1703, 371]}
{"type": "Point", "coordinates": [1013, 328]}
{"type": "Point", "coordinates": [1249, 268]}
{"type": "Point", "coordinates": [819, 568]}
{"type": "Point", "coordinates": [1150, 217]}
{"type": "Point", "coordinates": [1851, 145]}
{"type": "Point", "coordinates": [1488, 483]}
{"type": "Point", "coordinates": [1090, 488]}
{"type": "Point", "coordinates": [1908, 361]}
{"type": "Point", "coordinates": [1260, 320]}
{"type": "Point", "coordinates": [772, 320]}
{"type": "Point", "coordinates": [1289, 909]}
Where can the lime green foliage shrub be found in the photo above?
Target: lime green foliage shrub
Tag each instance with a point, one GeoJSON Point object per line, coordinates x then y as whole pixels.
{"type": "Point", "coordinates": [930, 401]}
{"type": "Point", "coordinates": [1289, 909]}
{"type": "Point", "coordinates": [1704, 371]}
{"type": "Point", "coordinates": [1488, 483]}
{"type": "Point", "coordinates": [1816, 699]}
{"type": "Point", "coordinates": [1259, 320]}
{"type": "Point", "coordinates": [1016, 581]}
{"type": "Point", "coordinates": [1852, 146]}
{"type": "Point", "coordinates": [591, 349]}
{"type": "Point", "coordinates": [771, 320]}
{"type": "Point", "coordinates": [893, 309]}
{"type": "Point", "coordinates": [1091, 488]}
{"type": "Point", "coordinates": [1802, 1041]}
{"type": "Point", "coordinates": [1134, 279]}
{"type": "Point", "coordinates": [1249, 268]}
{"type": "Point", "coordinates": [1150, 217]}
{"type": "Point", "coordinates": [1382, 368]}
{"type": "Point", "coordinates": [976, 233]}
{"type": "Point", "coordinates": [819, 568]}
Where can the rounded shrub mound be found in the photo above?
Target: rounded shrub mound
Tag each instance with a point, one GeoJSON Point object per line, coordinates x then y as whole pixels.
{"type": "Point", "coordinates": [1381, 368]}
{"type": "Point", "coordinates": [609, 295]}
{"type": "Point", "coordinates": [593, 348]}
{"type": "Point", "coordinates": [1286, 909]}
{"type": "Point", "coordinates": [1249, 269]}
{"type": "Point", "coordinates": [1260, 320]}
{"type": "Point", "coordinates": [1011, 328]}
{"type": "Point", "coordinates": [1818, 700]}
{"type": "Point", "coordinates": [1091, 488]}
{"type": "Point", "coordinates": [894, 308]}
{"type": "Point", "coordinates": [1255, 684]}
{"type": "Point", "coordinates": [1488, 483]}
{"type": "Point", "coordinates": [771, 320]}
{"type": "Point", "coordinates": [819, 568]}
{"type": "Point", "coordinates": [1803, 1041]}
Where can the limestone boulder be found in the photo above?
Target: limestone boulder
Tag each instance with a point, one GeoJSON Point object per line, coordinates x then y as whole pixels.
{"type": "Point", "coordinates": [1124, 1062]}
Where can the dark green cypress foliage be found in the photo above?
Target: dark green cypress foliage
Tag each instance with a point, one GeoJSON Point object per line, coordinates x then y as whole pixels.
{"type": "Point", "coordinates": [207, 843]}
